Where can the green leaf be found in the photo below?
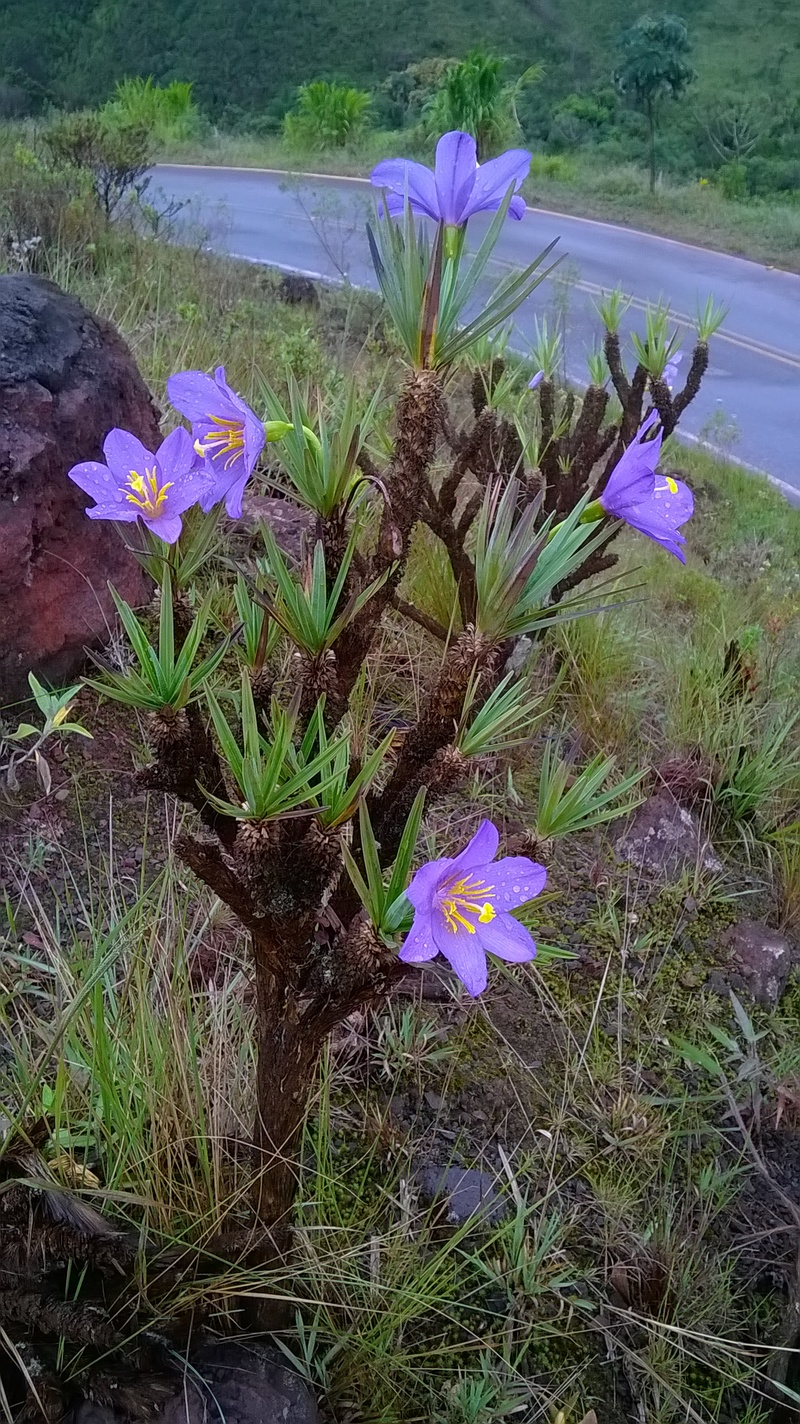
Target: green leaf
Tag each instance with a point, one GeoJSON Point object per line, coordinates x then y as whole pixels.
{"type": "Point", "coordinates": [25, 729]}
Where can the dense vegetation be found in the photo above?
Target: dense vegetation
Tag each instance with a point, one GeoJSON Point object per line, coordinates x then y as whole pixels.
{"type": "Point", "coordinates": [246, 62]}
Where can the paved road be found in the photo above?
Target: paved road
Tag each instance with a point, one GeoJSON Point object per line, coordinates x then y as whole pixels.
{"type": "Point", "coordinates": [750, 400]}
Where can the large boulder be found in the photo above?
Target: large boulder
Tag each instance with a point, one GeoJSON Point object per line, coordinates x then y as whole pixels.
{"type": "Point", "coordinates": [66, 378]}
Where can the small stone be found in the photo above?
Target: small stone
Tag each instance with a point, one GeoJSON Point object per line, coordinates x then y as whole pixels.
{"type": "Point", "coordinates": [664, 838]}
{"type": "Point", "coordinates": [762, 957]}
{"type": "Point", "coordinates": [468, 1192]}
{"type": "Point", "coordinates": [434, 1101]}
{"type": "Point", "coordinates": [287, 520]}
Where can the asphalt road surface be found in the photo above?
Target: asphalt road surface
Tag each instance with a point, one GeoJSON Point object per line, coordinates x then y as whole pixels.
{"type": "Point", "coordinates": [749, 404]}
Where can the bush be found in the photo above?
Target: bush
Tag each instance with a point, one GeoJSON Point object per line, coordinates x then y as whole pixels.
{"type": "Point", "coordinates": [42, 210]}
{"type": "Point", "coordinates": [327, 115]}
{"type": "Point", "coordinates": [765, 176]}
{"type": "Point", "coordinates": [115, 156]}
{"type": "Point", "coordinates": [552, 165]}
{"type": "Point", "coordinates": [168, 114]}
{"type": "Point", "coordinates": [732, 179]}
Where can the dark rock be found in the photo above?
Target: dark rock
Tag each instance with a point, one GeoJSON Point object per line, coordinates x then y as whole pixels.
{"type": "Point", "coordinates": [297, 290]}
{"type": "Point", "coordinates": [66, 379]}
{"type": "Point", "coordinates": [287, 521]}
{"type": "Point", "coordinates": [664, 838]}
{"type": "Point", "coordinates": [762, 959]}
{"type": "Point", "coordinates": [241, 1384]}
{"type": "Point", "coordinates": [468, 1193]}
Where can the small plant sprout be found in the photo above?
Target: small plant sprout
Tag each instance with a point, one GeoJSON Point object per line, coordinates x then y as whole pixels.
{"type": "Point", "coordinates": [569, 803]}
{"type": "Point", "coordinates": [310, 612]}
{"type": "Point", "coordinates": [55, 708]}
{"type": "Point", "coordinates": [547, 349]}
{"type": "Point", "coordinates": [597, 366]}
{"type": "Point", "coordinates": [259, 632]}
{"type": "Point", "coordinates": [384, 899]}
{"type": "Point", "coordinates": [320, 452]}
{"type": "Point", "coordinates": [409, 1043]}
{"type": "Point", "coordinates": [507, 719]}
{"type": "Point", "coordinates": [611, 309]}
{"type": "Point", "coordinates": [710, 318]}
{"type": "Point", "coordinates": [659, 345]}
{"type": "Point", "coordinates": [163, 681]}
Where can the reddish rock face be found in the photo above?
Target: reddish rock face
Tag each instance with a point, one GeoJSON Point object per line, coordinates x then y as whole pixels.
{"type": "Point", "coordinates": [66, 379]}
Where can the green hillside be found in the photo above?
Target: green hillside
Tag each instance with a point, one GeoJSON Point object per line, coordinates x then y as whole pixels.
{"type": "Point", "coordinates": [249, 55]}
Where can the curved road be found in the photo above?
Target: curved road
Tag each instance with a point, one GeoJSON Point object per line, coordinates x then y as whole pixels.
{"type": "Point", "coordinates": [749, 404]}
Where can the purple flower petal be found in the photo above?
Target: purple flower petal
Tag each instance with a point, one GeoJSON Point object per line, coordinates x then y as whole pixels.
{"type": "Point", "coordinates": [514, 881]}
{"type": "Point", "coordinates": [426, 881]}
{"type": "Point", "coordinates": [419, 944]}
{"type": "Point", "coordinates": [125, 453]}
{"type": "Point", "coordinates": [197, 395]}
{"type": "Point", "coordinates": [234, 496]}
{"type": "Point", "coordinates": [456, 167]}
{"type": "Point", "coordinates": [121, 513]}
{"type": "Point", "coordinates": [536, 381]}
{"type": "Point", "coordinates": [660, 517]}
{"type": "Point", "coordinates": [97, 480]}
{"type": "Point", "coordinates": [494, 179]}
{"type": "Point", "coordinates": [166, 526]}
{"type": "Point", "coordinates": [175, 455]}
{"type": "Point", "coordinates": [508, 939]}
{"type": "Point", "coordinates": [481, 850]}
{"type": "Point", "coordinates": [517, 208]}
{"type": "Point", "coordinates": [401, 178]}
{"type": "Point", "coordinates": [465, 955]}
{"type": "Point", "coordinates": [633, 477]}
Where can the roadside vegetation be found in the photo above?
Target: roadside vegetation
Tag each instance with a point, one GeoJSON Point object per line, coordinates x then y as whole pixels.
{"type": "Point", "coordinates": [687, 126]}
{"type": "Point", "coordinates": [636, 1119]}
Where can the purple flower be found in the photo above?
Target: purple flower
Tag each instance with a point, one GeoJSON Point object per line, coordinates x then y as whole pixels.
{"type": "Point", "coordinates": [633, 477]}
{"type": "Point", "coordinates": [462, 909]}
{"type": "Point", "coordinates": [134, 484]}
{"type": "Point", "coordinates": [654, 504]}
{"type": "Point", "coordinates": [458, 187]}
{"type": "Point", "coordinates": [536, 381]}
{"type": "Point", "coordinates": [227, 436]}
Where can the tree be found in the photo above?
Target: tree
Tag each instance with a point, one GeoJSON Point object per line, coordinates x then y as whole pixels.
{"type": "Point", "coordinates": [474, 97]}
{"type": "Point", "coordinates": [653, 67]}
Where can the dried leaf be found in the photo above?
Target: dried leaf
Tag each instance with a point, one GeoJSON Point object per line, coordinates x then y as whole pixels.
{"type": "Point", "coordinates": [43, 773]}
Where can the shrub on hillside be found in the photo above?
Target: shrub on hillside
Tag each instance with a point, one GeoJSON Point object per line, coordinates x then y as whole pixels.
{"type": "Point", "coordinates": [166, 113]}
{"type": "Point", "coordinates": [327, 115]}
{"type": "Point", "coordinates": [116, 156]}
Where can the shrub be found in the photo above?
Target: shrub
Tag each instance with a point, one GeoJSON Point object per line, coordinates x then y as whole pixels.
{"type": "Point", "coordinates": [732, 179]}
{"type": "Point", "coordinates": [327, 115]}
{"type": "Point", "coordinates": [115, 155]}
{"type": "Point", "coordinates": [166, 113]}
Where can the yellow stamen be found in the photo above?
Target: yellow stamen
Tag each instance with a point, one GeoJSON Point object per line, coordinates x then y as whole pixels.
{"type": "Point", "coordinates": [227, 440]}
{"type": "Point", "coordinates": [672, 485]}
{"type": "Point", "coordinates": [459, 904]}
{"type": "Point", "coordinates": [145, 491]}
